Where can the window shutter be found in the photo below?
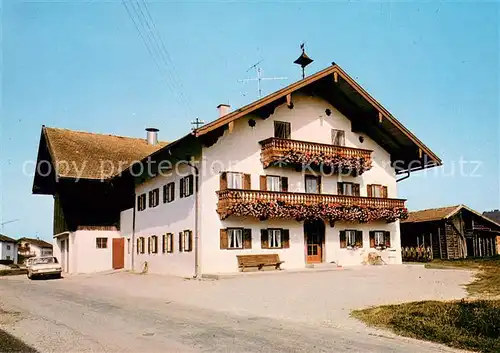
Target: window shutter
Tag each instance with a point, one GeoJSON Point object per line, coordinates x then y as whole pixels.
{"type": "Point", "coordinates": [223, 181]}
{"type": "Point", "coordinates": [191, 184]}
{"type": "Point", "coordinates": [165, 191]}
{"type": "Point", "coordinates": [172, 242]}
{"type": "Point", "coordinates": [138, 245]}
{"type": "Point", "coordinates": [285, 233]}
{"type": "Point", "coordinates": [284, 184]}
{"type": "Point", "coordinates": [387, 239]}
{"type": "Point", "coordinates": [163, 243]}
{"type": "Point", "coordinates": [190, 241]}
{"type": "Point", "coordinates": [369, 191]}
{"type": "Point", "coordinates": [264, 241]}
{"type": "Point", "coordinates": [319, 184]}
{"type": "Point", "coordinates": [340, 189]}
{"type": "Point", "coordinates": [263, 183]}
{"type": "Point", "coordinates": [181, 187]}
{"type": "Point", "coordinates": [247, 185]}
{"type": "Point", "coordinates": [287, 130]}
{"type": "Point", "coordinates": [247, 238]}
{"type": "Point", "coordinates": [181, 242]}
{"type": "Point", "coordinates": [355, 189]}
{"type": "Point", "coordinates": [172, 192]}
{"type": "Point", "coordinates": [150, 197]}
{"type": "Point", "coordinates": [149, 245]}
{"type": "Point", "coordinates": [223, 239]}
{"type": "Point", "coordinates": [372, 239]}
{"type": "Point", "coordinates": [359, 239]}
{"type": "Point", "coordinates": [384, 192]}
{"type": "Point", "coordinates": [343, 243]}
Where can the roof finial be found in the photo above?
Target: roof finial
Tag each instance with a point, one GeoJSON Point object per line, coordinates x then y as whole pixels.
{"type": "Point", "coordinates": [303, 60]}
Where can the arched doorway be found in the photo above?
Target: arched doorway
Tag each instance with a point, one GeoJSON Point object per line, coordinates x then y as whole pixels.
{"type": "Point", "coordinates": [314, 234]}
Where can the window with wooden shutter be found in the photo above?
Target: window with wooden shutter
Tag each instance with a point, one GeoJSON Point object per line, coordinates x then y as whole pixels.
{"type": "Point", "coordinates": [369, 190]}
{"type": "Point", "coordinates": [384, 192]}
{"type": "Point", "coordinates": [343, 241]}
{"type": "Point", "coordinates": [313, 184]}
{"type": "Point", "coordinates": [263, 183]}
{"type": "Point", "coordinates": [247, 185]}
{"type": "Point", "coordinates": [181, 187]}
{"type": "Point", "coordinates": [235, 180]}
{"type": "Point", "coordinates": [223, 239]}
{"type": "Point", "coordinates": [282, 129]}
{"type": "Point", "coordinates": [149, 245]}
{"type": "Point", "coordinates": [338, 137]}
{"type": "Point", "coordinates": [154, 244]}
{"type": "Point", "coordinates": [285, 233]}
{"type": "Point", "coordinates": [187, 242]}
{"type": "Point", "coordinates": [264, 244]}
{"type": "Point", "coordinates": [247, 238]}
{"type": "Point", "coordinates": [359, 239]}
{"type": "Point", "coordinates": [154, 197]}
{"type": "Point", "coordinates": [223, 181]}
{"type": "Point", "coordinates": [387, 236]}
{"type": "Point", "coordinates": [186, 186]}
{"type": "Point", "coordinates": [274, 238]}
{"type": "Point", "coordinates": [141, 202]}
{"type": "Point", "coordinates": [191, 185]}
{"type": "Point", "coordinates": [355, 190]}
{"type": "Point", "coordinates": [164, 243]}
{"type": "Point", "coordinates": [169, 192]}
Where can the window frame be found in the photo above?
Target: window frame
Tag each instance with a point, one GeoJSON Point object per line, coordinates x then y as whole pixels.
{"type": "Point", "coordinates": [154, 197]}
{"type": "Point", "coordinates": [286, 126]}
{"type": "Point", "coordinates": [141, 202]}
{"type": "Point", "coordinates": [335, 138]}
{"type": "Point", "coordinates": [355, 188]}
{"type": "Point", "coordinates": [270, 177]}
{"type": "Point", "coordinates": [269, 238]}
{"type": "Point", "coordinates": [378, 232]}
{"type": "Point", "coordinates": [348, 232]}
{"type": "Point", "coordinates": [169, 192]}
{"type": "Point", "coordinates": [99, 243]}
{"type": "Point", "coordinates": [229, 178]}
{"type": "Point", "coordinates": [229, 231]}
{"type": "Point", "coordinates": [154, 244]}
{"type": "Point", "coordinates": [187, 243]}
{"type": "Point", "coordinates": [168, 243]}
{"type": "Point", "coordinates": [318, 183]}
{"type": "Point", "coordinates": [187, 186]}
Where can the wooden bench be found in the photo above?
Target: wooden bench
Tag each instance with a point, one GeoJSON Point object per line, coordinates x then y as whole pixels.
{"type": "Point", "coordinates": [259, 261]}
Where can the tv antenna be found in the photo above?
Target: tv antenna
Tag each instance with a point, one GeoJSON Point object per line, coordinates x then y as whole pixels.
{"type": "Point", "coordinates": [259, 78]}
{"type": "Point", "coordinates": [196, 123]}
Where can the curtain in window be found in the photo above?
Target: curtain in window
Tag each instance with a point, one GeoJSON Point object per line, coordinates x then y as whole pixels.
{"type": "Point", "coordinates": [235, 238]}
{"type": "Point", "coordinates": [347, 189]}
{"type": "Point", "coordinates": [234, 181]}
{"type": "Point", "coordinates": [338, 137]}
{"type": "Point", "coordinates": [273, 183]}
{"type": "Point", "coordinates": [379, 238]}
{"type": "Point", "coordinates": [312, 185]}
{"type": "Point", "coordinates": [351, 237]}
{"type": "Point", "coordinates": [274, 238]}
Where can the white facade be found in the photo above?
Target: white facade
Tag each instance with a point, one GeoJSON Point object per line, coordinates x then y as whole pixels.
{"type": "Point", "coordinates": [8, 251]}
{"type": "Point", "coordinates": [238, 150]}
{"type": "Point", "coordinates": [78, 251]}
{"type": "Point", "coordinates": [34, 250]}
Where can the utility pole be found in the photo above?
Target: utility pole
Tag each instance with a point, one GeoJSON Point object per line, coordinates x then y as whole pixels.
{"type": "Point", "coordinates": [259, 78]}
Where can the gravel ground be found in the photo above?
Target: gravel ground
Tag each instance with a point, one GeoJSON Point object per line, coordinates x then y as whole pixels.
{"type": "Point", "coordinates": [299, 312]}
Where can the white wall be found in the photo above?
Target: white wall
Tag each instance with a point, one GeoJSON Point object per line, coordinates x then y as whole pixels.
{"type": "Point", "coordinates": [239, 151]}
{"type": "Point", "coordinates": [126, 228]}
{"type": "Point", "coordinates": [172, 217]}
{"type": "Point", "coordinates": [87, 258]}
{"type": "Point", "coordinates": [5, 251]}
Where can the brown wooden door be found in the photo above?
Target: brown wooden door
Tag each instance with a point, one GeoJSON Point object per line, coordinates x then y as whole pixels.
{"type": "Point", "coordinates": [314, 233]}
{"type": "Point", "coordinates": [118, 253]}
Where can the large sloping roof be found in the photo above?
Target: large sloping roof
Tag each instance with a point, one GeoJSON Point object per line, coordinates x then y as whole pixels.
{"type": "Point", "coordinates": [37, 242]}
{"type": "Point", "coordinates": [7, 239]}
{"type": "Point", "coordinates": [437, 214]}
{"type": "Point", "coordinates": [355, 103]}
{"type": "Point", "coordinates": [84, 155]}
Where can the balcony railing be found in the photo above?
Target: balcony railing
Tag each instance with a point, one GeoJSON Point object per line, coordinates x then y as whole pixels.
{"type": "Point", "coordinates": [302, 206]}
{"type": "Point", "coordinates": [347, 160]}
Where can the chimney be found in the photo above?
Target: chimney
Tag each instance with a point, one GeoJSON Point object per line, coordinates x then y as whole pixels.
{"type": "Point", "coordinates": [152, 135]}
{"type": "Point", "coordinates": [223, 109]}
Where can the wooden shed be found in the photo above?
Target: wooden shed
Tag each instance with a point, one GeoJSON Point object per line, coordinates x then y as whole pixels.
{"type": "Point", "coordinates": [453, 232]}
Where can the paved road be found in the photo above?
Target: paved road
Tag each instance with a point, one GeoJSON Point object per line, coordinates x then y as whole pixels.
{"type": "Point", "coordinates": [66, 316]}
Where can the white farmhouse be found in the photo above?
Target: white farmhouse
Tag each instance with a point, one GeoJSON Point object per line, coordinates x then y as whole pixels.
{"type": "Point", "coordinates": [29, 247]}
{"type": "Point", "coordinates": [8, 249]}
{"type": "Point", "coordinates": [306, 175]}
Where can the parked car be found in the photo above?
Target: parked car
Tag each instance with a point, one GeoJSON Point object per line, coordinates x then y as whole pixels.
{"type": "Point", "coordinates": [46, 266]}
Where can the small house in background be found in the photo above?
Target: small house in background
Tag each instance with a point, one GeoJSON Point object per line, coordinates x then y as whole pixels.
{"type": "Point", "coordinates": [8, 249]}
{"type": "Point", "coordinates": [453, 232]}
{"type": "Point", "coordinates": [30, 247]}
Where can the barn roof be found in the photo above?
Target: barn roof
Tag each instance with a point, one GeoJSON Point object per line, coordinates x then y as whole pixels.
{"type": "Point", "coordinates": [85, 155]}
{"type": "Point", "coordinates": [437, 214]}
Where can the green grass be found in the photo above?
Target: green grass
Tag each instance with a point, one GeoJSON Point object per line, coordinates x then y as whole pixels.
{"type": "Point", "coordinates": [473, 325]}
{"type": "Point", "coordinates": [487, 282]}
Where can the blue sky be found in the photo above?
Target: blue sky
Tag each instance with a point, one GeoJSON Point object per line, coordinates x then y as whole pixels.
{"type": "Point", "coordinates": [82, 65]}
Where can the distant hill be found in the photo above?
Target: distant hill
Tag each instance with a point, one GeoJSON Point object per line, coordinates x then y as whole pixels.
{"type": "Point", "coordinates": [493, 215]}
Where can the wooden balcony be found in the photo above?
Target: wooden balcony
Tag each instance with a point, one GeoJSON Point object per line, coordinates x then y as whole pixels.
{"type": "Point", "coordinates": [302, 206]}
{"type": "Point", "coordinates": [341, 159]}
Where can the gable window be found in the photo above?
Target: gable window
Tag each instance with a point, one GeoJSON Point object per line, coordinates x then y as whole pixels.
{"type": "Point", "coordinates": [101, 243]}
{"type": "Point", "coordinates": [282, 129]}
{"type": "Point", "coordinates": [234, 180]}
{"type": "Point", "coordinates": [348, 189]}
{"type": "Point", "coordinates": [273, 183]}
{"type": "Point", "coordinates": [374, 190]}
{"type": "Point", "coordinates": [169, 192]}
{"type": "Point", "coordinates": [380, 239]}
{"type": "Point", "coordinates": [141, 202]}
{"type": "Point", "coordinates": [338, 137]}
{"type": "Point", "coordinates": [154, 197]}
{"type": "Point", "coordinates": [351, 239]}
{"type": "Point", "coordinates": [168, 243]}
{"type": "Point", "coordinates": [186, 186]}
{"type": "Point", "coordinates": [186, 241]}
{"type": "Point", "coordinates": [235, 238]}
{"type": "Point", "coordinates": [313, 184]}
{"type": "Point", "coordinates": [141, 242]}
